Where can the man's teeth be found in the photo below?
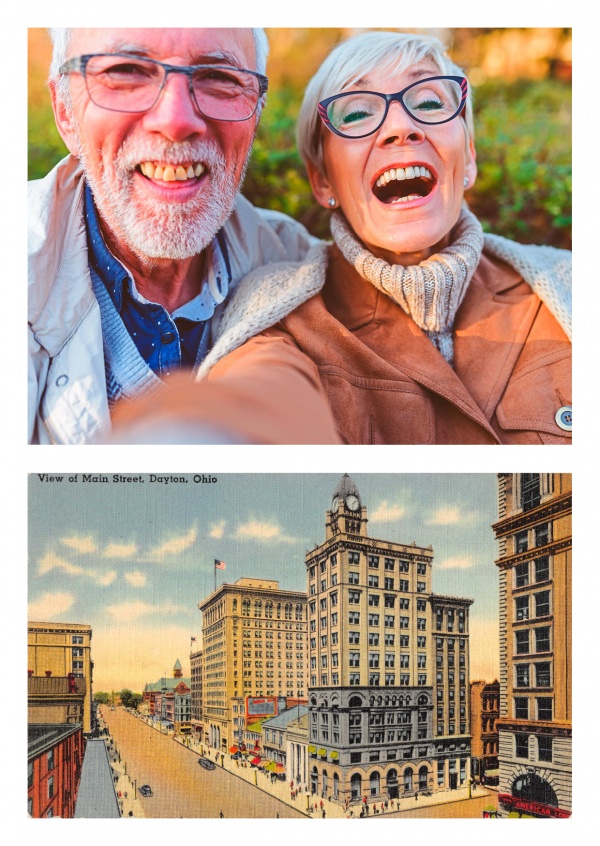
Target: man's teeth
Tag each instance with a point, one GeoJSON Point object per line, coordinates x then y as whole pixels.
{"type": "Point", "coordinates": [403, 173]}
{"type": "Point", "coordinates": [171, 173]}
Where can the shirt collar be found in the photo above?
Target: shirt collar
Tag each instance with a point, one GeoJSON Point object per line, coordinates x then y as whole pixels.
{"type": "Point", "coordinates": [115, 276]}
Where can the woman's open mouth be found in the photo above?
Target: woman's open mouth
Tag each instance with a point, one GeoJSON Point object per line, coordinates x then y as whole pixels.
{"type": "Point", "coordinates": [402, 185]}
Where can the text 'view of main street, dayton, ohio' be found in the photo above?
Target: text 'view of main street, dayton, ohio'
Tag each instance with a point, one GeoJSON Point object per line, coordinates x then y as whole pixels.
{"type": "Point", "coordinates": [308, 645]}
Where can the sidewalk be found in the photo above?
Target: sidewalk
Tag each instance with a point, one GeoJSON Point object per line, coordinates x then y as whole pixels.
{"type": "Point", "coordinates": [129, 803]}
{"type": "Point", "coordinates": [305, 803]}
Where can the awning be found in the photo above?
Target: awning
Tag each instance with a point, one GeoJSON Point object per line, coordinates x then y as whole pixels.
{"type": "Point", "coordinates": [279, 768]}
{"type": "Point", "coordinates": [312, 750]}
{"type": "Point", "coordinates": [233, 749]}
{"type": "Point", "coordinates": [334, 755]}
{"type": "Point", "coordinates": [255, 761]}
{"type": "Point", "coordinates": [322, 752]}
{"type": "Point", "coordinates": [269, 765]}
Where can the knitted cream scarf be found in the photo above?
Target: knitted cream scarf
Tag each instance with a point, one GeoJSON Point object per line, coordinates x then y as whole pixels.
{"type": "Point", "coordinates": [430, 292]}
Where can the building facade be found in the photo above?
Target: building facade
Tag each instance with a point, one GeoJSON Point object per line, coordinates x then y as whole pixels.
{"type": "Point", "coordinates": [485, 711]}
{"type": "Point", "coordinates": [534, 534]}
{"type": "Point", "coordinates": [55, 699]}
{"type": "Point", "coordinates": [196, 692]}
{"type": "Point", "coordinates": [389, 664]}
{"type": "Point", "coordinates": [54, 761]}
{"type": "Point", "coordinates": [159, 696]}
{"type": "Point", "coordinates": [254, 637]}
{"type": "Point", "coordinates": [63, 650]}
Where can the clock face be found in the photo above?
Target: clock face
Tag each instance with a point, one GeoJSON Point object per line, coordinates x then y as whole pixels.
{"type": "Point", "coordinates": [334, 503]}
{"type": "Point", "coordinates": [352, 502]}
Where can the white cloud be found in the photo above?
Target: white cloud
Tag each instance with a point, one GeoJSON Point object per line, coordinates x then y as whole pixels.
{"type": "Point", "coordinates": [387, 512]}
{"type": "Point", "coordinates": [134, 610]}
{"type": "Point", "coordinates": [456, 562]}
{"type": "Point", "coordinates": [262, 532]}
{"type": "Point", "coordinates": [450, 515]}
{"type": "Point", "coordinates": [120, 550]}
{"type": "Point", "coordinates": [51, 561]}
{"type": "Point", "coordinates": [50, 606]}
{"type": "Point", "coordinates": [135, 578]}
{"type": "Point", "coordinates": [81, 545]}
{"type": "Point", "coordinates": [174, 545]}
{"type": "Point", "coordinates": [217, 530]}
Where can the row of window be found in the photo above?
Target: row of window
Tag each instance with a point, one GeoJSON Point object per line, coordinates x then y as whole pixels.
{"type": "Point", "coordinates": [540, 535]}
{"type": "Point", "coordinates": [269, 607]}
{"type": "Point", "coordinates": [532, 640]}
{"type": "Point", "coordinates": [541, 710]}
{"type": "Point", "coordinates": [544, 747]}
{"type": "Point", "coordinates": [389, 620]}
{"type": "Point", "coordinates": [373, 562]}
{"type": "Point", "coordinates": [538, 674]}
{"type": "Point", "coordinates": [524, 608]}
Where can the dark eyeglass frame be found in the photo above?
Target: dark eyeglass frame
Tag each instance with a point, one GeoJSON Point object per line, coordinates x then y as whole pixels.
{"type": "Point", "coordinates": [398, 97]}
{"type": "Point", "coordinates": [78, 64]}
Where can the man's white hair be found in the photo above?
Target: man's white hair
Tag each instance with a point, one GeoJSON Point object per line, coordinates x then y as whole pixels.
{"type": "Point", "coordinates": [61, 40]}
{"type": "Point", "coordinates": [393, 52]}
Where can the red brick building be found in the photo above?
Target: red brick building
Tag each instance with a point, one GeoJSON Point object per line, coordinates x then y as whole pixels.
{"type": "Point", "coordinates": [54, 759]}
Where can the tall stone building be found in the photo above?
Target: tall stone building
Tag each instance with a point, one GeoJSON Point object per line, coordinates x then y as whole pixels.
{"type": "Point", "coordinates": [534, 534]}
{"type": "Point", "coordinates": [61, 651]}
{"type": "Point", "coordinates": [254, 644]}
{"type": "Point", "coordinates": [389, 665]}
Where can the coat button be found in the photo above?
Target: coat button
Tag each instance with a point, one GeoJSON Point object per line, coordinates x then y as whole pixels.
{"type": "Point", "coordinates": [62, 380]}
{"type": "Point", "coordinates": [168, 337]}
{"type": "Point", "coordinates": [564, 418]}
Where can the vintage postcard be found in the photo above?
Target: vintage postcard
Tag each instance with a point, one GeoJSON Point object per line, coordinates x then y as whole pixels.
{"type": "Point", "coordinates": [318, 646]}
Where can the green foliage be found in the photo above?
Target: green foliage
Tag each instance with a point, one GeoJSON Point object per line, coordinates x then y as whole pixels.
{"type": "Point", "coordinates": [102, 697]}
{"type": "Point", "coordinates": [523, 140]}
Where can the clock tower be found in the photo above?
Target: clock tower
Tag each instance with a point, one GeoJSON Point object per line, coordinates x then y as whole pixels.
{"type": "Point", "coordinates": [347, 514]}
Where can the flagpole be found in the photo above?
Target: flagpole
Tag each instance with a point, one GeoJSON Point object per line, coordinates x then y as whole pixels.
{"type": "Point", "coordinates": [215, 569]}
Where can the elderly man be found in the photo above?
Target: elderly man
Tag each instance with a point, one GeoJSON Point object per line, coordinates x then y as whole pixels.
{"type": "Point", "coordinates": [139, 236]}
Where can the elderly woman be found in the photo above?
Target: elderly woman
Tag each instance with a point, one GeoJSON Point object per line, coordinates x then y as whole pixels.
{"type": "Point", "coordinates": [421, 329]}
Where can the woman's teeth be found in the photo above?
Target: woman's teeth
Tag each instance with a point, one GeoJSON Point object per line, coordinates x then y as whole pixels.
{"type": "Point", "coordinates": [403, 173]}
{"type": "Point", "coordinates": [171, 173]}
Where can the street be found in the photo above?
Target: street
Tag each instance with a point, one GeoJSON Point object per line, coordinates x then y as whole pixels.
{"type": "Point", "coordinates": [465, 809]}
{"type": "Point", "coordinates": [181, 787]}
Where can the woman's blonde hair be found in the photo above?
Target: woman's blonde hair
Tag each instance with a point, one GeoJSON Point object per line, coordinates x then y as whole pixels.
{"type": "Point", "coordinates": [357, 57]}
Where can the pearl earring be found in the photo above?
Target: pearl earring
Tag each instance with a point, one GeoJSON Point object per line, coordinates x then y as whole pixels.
{"type": "Point", "coordinates": [466, 182]}
{"type": "Point", "coordinates": [332, 202]}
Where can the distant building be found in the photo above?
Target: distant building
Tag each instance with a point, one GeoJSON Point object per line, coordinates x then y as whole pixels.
{"type": "Point", "coordinates": [535, 732]}
{"type": "Point", "coordinates": [182, 704]}
{"type": "Point", "coordinates": [54, 761]}
{"type": "Point", "coordinates": [159, 696]}
{"type": "Point", "coordinates": [254, 641]}
{"type": "Point", "coordinates": [485, 710]}
{"type": "Point", "coordinates": [63, 650]}
{"type": "Point", "coordinates": [389, 664]}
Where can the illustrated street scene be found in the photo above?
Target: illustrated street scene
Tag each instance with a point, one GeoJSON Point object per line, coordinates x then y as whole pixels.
{"type": "Point", "coordinates": [308, 646]}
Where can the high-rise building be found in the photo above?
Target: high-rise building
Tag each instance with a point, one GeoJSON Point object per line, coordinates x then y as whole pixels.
{"type": "Point", "coordinates": [534, 534]}
{"type": "Point", "coordinates": [196, 688]}
{"type": "Point", "coordinates": [61, 650]}
{"type": "Point", "coordinates": [254, 644]}
{"type": "Point", "coordinates": [389, 665]}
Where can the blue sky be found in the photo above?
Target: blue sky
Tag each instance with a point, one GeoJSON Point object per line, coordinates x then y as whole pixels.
{"type": "Point", "coordinates": [134, 559]}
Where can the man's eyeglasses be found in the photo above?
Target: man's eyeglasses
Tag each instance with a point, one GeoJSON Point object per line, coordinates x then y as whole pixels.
{"type": "Point", "coordinates": [356, 114]}
{"type": "Point", "coordinates": [123, 82]}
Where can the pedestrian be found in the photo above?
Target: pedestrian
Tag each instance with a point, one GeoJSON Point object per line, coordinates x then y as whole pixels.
{"type": "Point", "coordinates": [321, 804]}
{"type": "Point", "coordinates": [386, 804]}
{"type": "Point", "coordinates": [221, 814]}
{"type": "Point", "coordinates": [416, 796]}
{"type": "Point", "coordinates": [323, 813]}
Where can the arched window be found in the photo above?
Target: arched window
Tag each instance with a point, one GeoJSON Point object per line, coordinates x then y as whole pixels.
{"type": "Point", "coordinates": [423, 778]}
{"type": "Point", "coordinates": [533, 788]}
{"type": "Point", "coordinates": [299, 612]}
{"type": "Point", "coordinates": [279, 610]}
{"type": "Point", "coordinates": [408, 780]}
{"type": "Point", "coordinates": [356, 786]}
{"type": "Point", "coordinates": [374, 784]}
{"type": "Point", "coordinates": [269, 610]}
{"type": "Point", "coordinates": [313, 700]}
{"type": "Point", "coordinates": [288, 610]}
{"type": "Point", "coordinates": [422, 700]}
{"type": "Point", "coordinates": [336, 786]}
{"type": "Point", "coordinates": [324, 782]}
{"type": "Point", "coordinates": [355, 702]}
{"type": "Point", "coordinates": [235, 606]}
{"type": "Point", "coordinates": [257, 608]}
{"type": "Point", "coordinates": [246, 607]}
{"type": "Point", "coordinates": [392, 777]}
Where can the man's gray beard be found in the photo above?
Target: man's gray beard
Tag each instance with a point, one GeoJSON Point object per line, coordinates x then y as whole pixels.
{"type": "Point", "coordinates": [160, 229]}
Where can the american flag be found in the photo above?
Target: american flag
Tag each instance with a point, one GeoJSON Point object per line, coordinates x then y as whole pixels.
{"type": "Point", "coordinates": [219, 565]}
{"type": "Point", "coordinates": [193, 639]}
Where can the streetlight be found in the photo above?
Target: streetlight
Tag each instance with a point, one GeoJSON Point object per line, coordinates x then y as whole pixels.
{"type": "Point", "coordinates": [135, 788]}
